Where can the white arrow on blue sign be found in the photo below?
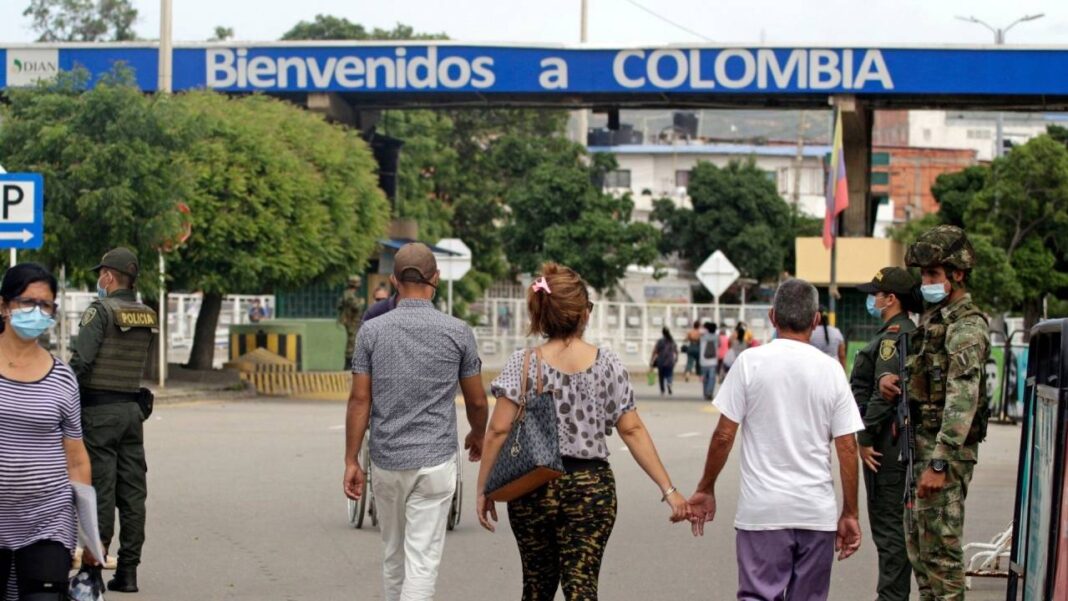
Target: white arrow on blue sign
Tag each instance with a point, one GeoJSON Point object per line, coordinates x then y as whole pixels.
{"type": "Point", "coordinates": [21, 210]}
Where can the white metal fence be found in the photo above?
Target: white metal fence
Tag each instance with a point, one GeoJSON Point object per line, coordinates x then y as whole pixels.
{"type": "Point", "coordinates": [631, 329]}
{"type": "Point", "coordinates": [182, 312]}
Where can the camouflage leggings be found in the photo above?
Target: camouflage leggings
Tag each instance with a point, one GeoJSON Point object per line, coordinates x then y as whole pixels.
{"type": "Point", "coordinates": [562, 529]}
{"type": "Point", "coordinates": [933, 532]}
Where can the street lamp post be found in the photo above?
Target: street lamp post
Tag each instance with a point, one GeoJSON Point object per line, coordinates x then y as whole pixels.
{"type": "Point", "coordinates": [999, 40]}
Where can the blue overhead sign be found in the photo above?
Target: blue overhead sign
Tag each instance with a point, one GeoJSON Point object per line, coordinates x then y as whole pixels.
{"type": "Point", "coordinates": [21, 210]}
{"type": "Point", "coordinates": [448, 67]}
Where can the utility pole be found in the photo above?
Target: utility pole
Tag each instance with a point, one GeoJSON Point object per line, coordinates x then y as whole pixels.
{"type": "Point", "coordinates": [166, 55]}
{"type": "Point", "coordinates": [999, 40]}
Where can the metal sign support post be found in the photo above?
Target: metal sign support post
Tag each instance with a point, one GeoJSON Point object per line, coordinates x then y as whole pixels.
{"type": "Point", "coordinates": [162, 321]}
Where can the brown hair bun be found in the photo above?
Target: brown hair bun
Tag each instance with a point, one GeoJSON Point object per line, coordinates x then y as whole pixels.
{"type": "Point", "coordinates": [561, 311]}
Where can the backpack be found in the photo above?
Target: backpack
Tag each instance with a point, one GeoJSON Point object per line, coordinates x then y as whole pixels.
{"type": "Point", "coordinates": [710, 349]}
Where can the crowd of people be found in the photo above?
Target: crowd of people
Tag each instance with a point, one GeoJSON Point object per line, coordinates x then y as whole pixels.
{"type": "Point", "coordinates": [544, 450]}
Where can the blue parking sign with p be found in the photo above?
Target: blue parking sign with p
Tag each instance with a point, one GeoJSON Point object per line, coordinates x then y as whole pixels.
{"type": "Point", "coordinates": [21, 210]}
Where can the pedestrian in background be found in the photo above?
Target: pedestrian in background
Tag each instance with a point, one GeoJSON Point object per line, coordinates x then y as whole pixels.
{"type": "Point", "coordinates": [829, 340]}
{"type": "Point", "coordinates": [350, 309]}
{"type": "Point", "coordinates": [665, 356]}
{"type": "Point", "coordinates": [109, 357]}
{"type": "Point", "coordinates": [41, 446]}
{"type": "Point", "coordinates": [693, 352]}
{"type": "Point", "coordinates": [791, 404]}
{"type": "Point", "coordinates": [890, 298]}
{"type": "Point", "coordinates": [562, 528]}
{"type": "Point", "coordinates": [256, 312]}
{"type": "Point", "coordinates": [722, 349]}
{"type": "Point", "coordinates": [709, 359]}
{"type": "Point", "coordinates": [406, 368]}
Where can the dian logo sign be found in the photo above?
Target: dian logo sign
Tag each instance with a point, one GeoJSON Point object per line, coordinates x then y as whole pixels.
{"type": "Point", "coordinates": [26, 67]}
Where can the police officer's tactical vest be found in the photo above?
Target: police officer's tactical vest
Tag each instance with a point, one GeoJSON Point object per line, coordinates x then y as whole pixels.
{"type": "Point", "coordinates": [928, 365]}
{"type": "Point", "coordinates": [124, 350]}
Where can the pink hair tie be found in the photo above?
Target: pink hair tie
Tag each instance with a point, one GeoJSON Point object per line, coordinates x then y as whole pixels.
{"type": "Point", "coordinates": [541, 284]}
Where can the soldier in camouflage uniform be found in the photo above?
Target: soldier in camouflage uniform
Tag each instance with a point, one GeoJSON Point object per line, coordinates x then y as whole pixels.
{"type": "Point", "coordinates": [891, 298]}
{"type": "Point", "coordinates": [109, 356]}
{"type": "Point", "coordinates": [350, 312]}
{"type": "Point", "coordinates": [947, 388]}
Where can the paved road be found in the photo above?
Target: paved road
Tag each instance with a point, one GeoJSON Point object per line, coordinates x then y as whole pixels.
{"type": "Point", "coordinates": [246, 503]}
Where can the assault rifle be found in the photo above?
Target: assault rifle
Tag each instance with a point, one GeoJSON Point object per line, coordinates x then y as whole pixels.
{"type": "Point", "coordinates": [903, 422]}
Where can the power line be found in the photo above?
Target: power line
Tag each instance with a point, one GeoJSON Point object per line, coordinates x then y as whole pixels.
{"type": "Point", "coordinates": [670, 22]}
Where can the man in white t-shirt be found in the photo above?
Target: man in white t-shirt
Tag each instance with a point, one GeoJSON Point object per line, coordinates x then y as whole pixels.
{"type": "Point", "coordinates": [790, 402]}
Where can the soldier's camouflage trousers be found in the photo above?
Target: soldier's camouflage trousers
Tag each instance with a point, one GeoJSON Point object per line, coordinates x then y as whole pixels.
{"type": "Point", "coordinates": [562, 529]}
{"type": "Point", "coordinates": [935, 529]}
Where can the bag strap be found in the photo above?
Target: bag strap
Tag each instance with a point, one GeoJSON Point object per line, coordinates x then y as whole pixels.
{"type": "Point", "coordinates": [523, 388]}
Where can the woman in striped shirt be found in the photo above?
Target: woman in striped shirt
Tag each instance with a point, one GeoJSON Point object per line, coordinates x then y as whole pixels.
{"type": "Point", "coordinates": [41, 448]}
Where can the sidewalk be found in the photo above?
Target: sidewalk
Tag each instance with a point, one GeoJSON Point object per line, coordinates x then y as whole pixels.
{"type": "Point", "coordinates": [683, 391]}
{"type": "Point", "coordinates": [185, 385]}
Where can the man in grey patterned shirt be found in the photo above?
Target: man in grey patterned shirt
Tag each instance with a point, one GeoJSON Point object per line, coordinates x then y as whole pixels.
{"type": "Point", "coordinates": [405, 372]}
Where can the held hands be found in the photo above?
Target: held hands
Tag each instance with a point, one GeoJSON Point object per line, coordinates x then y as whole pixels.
{"type": "Point", "coordinates": [847, 541]}
{"type": "Point", "coordinates": [487, 513]}
{"type": "Point", "coordinates": [702, 507]}
{"type": "Point", "coordinates": [680, 510]}
{"type": "Point", "coordinates": [353, 481]}
{"type": "Point", "coordinates": [930, 484]}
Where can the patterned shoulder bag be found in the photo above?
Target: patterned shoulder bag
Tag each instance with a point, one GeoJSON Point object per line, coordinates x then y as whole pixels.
{"type": "Point", "coordinates": [530, 456]}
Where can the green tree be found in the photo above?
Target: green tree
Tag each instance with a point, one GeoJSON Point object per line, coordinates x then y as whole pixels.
{"type": "Point", "coordinates": [448, 176]}
{"type": "Point", "coordinates": [221, 34]}
{"type": "Point", "coordinates": [107, 156]}
{"type": "Point", "coordinates": [1015, 213]}
{"type": "Point", "coordinates": [559, 215]}
{"type": "Point", "coordinates": [82, 20]}
{"type": "Point", "coordinates": [736, 209]}
{"type": "Point", "coordinates": [328, 27]}
{"type": "Point", "coordinates": [280, 198]}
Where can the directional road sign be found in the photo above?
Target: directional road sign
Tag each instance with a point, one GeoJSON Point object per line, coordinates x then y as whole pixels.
{"type": "Point", "coordinates": [21, 210]}
{"type": "Point", "coordinates": [717, 273]}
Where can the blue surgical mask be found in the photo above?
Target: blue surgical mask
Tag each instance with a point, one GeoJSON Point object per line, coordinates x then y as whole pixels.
{"type": "Point", "coordinates": [29, 325]}
{"type": "Point", "coordinates": [874, 311]}
{"type": "Point", "coordinates": [101, 291]}
{"type": "Point", "coordinates": [934, 293]}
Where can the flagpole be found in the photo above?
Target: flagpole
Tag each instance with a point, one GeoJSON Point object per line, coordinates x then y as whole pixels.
{"type": "Point", "coordinates": [832, 304]}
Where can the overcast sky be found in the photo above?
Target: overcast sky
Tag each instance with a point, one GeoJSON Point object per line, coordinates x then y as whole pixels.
{"type": "Point", "coordinates": [808, 22]}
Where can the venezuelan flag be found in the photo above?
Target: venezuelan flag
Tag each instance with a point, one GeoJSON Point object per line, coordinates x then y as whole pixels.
{"type": "Point", "coordinates": [837, 190]}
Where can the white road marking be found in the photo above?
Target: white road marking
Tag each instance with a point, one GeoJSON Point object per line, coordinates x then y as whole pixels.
{"type": "Point", "coordinates": [337, 427]}
{"type": "Point", "coordinates": [688, 434]}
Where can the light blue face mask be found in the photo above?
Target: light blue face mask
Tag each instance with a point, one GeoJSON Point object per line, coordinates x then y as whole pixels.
{"type": "Point", "coordinates": [101, 291]}
{"type": "Point", "coordinates": [29, 325]}
{"type": "Point", "coordinates": [934, 293]}
{"type": "Point", "coordinates": [874, 311]}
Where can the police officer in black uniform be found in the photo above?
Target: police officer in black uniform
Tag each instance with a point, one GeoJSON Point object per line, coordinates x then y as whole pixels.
{"type": "Point", "coordinates": [109, 357]}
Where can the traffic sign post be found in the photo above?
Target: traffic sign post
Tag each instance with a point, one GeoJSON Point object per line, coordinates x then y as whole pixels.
{"type": "Point", "coordinates": [21, 211]}
{"type": "Point", "coordinates": [717, 274]}
{"type": "Point", "coordinates": [454, 266]}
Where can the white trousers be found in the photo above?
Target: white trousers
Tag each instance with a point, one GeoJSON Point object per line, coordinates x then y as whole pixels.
{"type": "Point", "coordinates": [413, 510]}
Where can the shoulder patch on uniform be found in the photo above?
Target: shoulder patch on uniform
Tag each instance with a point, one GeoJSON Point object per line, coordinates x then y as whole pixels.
{"type": "Point", "coordinates": [133, 318]}
{"type": "Point", "coordinates": [893, 329]}
{"type": "Point", "coordinates": [887, 349]}
{"type": "Point", "coordinates": [88, 316]}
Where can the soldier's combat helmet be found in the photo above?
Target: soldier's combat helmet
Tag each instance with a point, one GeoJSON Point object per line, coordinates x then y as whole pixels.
{"type": "Point", "coordinates": [945, 245]}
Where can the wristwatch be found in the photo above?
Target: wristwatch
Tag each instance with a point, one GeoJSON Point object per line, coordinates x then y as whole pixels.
{"type": "Point", "coordinates": [938, 465]}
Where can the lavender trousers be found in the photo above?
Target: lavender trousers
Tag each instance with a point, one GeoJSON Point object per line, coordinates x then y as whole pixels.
{"type": "Point", "coordinates": [781, 565]}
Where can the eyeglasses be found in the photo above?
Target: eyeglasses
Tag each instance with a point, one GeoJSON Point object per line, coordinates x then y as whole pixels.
{"type": "Point", "coordinates": [29, 304]}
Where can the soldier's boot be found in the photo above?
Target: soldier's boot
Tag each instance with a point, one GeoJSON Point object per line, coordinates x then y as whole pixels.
{"type": "Point", "coordinates": [124, 581]}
